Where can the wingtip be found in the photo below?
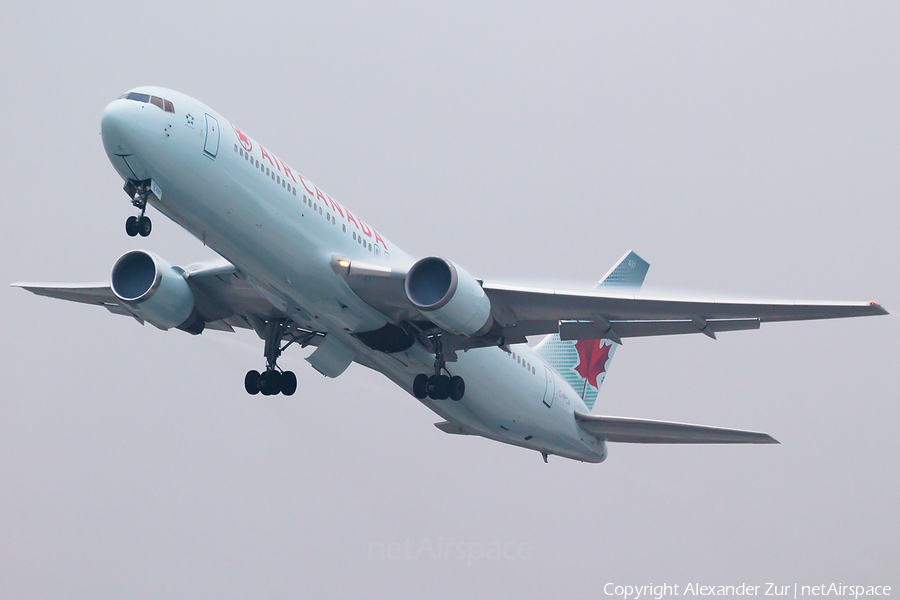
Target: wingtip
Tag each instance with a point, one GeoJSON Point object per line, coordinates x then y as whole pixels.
{"type": "Point", "coordinates": [879, 310]}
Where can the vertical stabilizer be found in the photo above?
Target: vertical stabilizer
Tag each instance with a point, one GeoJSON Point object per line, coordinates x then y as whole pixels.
{"type": "Point", "coordinates": [628, 274]}
{"type": "Point", "coordinates": [583, 363]}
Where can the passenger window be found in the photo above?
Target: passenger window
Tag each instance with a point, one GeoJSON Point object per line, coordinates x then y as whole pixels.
{"type": "Point", "coordinates": [344, 227]}
{"type": "Point", "coordinates": [354, 236]}
{"type": "Point", "coordinates": [157, 101]}
{"type": "Point", "coordinates": [170, 108]}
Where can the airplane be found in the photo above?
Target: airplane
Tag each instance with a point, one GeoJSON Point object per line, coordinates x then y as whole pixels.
{"type": "Point", "coordinates": [299, 268]}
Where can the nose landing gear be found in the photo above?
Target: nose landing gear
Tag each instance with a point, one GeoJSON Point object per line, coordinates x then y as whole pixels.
{"type": "Point", "coordinates": [140, 224]}
{"type": "Point", "coordinates": [439, 386]}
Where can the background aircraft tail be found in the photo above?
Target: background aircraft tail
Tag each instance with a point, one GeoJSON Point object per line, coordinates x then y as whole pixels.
{"type": "Point", "coordinates": [583, 363]}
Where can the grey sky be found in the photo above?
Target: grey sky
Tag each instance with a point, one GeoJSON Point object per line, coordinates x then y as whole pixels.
{"type": "Point", "coordinates": [744, 150]}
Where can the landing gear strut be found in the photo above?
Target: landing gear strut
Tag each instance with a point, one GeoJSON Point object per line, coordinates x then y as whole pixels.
{"type": "Point", "coordinates": [273, 380]}
{"type": "Point", "coordinates": [439, 386]}
{"type": "Point", "coordinates": [141, 224]}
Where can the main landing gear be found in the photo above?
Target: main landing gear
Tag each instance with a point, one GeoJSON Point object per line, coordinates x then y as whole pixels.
{"type": "Point", "coordinates": [439, 386]}
{"type": "Point", "coordinates": [140, 224]}
{"type": "Point", "coordinates": [273, 380]}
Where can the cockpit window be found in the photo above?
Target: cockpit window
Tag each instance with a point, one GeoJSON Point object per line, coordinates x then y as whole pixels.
{"type": "Point", "coordinates": [147, 98]}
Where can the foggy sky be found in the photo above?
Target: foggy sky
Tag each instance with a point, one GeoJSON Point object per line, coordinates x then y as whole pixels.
{"type": "Point", "coordinates": [743, 150]}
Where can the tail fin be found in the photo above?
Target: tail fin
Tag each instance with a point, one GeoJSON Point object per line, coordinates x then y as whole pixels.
{"type": "Point", "coordinates": [583, 364]}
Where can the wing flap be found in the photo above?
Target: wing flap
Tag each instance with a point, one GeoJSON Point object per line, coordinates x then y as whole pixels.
{"type": "Point", "coordinates": [641, 431]}
{"type": "Point", "coordinates": [586, 330]}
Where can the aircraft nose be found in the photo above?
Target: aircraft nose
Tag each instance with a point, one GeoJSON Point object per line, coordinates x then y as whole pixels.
{"type": "Point", "coordinates": [118, 121]}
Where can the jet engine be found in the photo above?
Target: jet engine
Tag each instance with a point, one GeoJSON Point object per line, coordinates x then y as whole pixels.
{"type": "Point", "coordinates": [155, 291]}
{"type": "Point", "coordinates": [449, 297]}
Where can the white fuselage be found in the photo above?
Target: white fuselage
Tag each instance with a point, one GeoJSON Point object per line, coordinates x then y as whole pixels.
{"type": "Point", "coordinates": [281, 232]}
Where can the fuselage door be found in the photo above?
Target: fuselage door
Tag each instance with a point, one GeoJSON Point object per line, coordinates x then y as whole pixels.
{"type": "Point", "coordinates": [550, 387]}
{"type": "Point", "coordinates": [211, 148]}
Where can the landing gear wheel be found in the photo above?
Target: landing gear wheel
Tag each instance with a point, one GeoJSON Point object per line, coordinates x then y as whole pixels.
{"type": "Point", "coordinates": [144, 226]}
{"type": "Point", "coordinates": [420, 386]}
{"type": "Point", "coordinates": [457, 388]}
{"type": "Point", "coordinates": [131, 226]}
{"type": "Point", "coordinates": [438, 387]}
{"type": "Point", "coordinates": [288, 383]}
{"type": "Point", "coordinates": [270, 383]}
{"type": "Point", "coordinates": [251, 382]}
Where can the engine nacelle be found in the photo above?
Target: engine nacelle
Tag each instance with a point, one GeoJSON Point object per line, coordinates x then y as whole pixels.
{"type": "Point", "coordinates": [155, 291]}
{"type": "Point", "coordinates": [449, 297]}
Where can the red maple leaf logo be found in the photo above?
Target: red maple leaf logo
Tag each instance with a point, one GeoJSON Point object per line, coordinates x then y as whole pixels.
{"type": "Point", "coordinates": [243, 139]}
{"type": "Point", "coordinates": [592, 357]}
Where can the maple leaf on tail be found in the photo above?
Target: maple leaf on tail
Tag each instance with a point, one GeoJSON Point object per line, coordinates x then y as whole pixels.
{"type": "Point", "coordinates": [592, 357]}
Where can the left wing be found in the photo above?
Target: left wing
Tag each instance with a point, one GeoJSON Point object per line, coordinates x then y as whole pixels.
{"type": "Point", "coordinates": [598, 314]}
{"type": "Point", "coordinates": [593, 315]}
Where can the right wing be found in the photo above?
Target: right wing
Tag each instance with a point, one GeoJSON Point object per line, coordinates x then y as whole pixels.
{"type": "Point", "coordinates": [641, 431]}
{"type": "Point", "coordinates": [224, 298]}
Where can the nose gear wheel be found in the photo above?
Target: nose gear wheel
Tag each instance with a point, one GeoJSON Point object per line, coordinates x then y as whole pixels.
{"type": "Point", "coordinates": [140, 224]}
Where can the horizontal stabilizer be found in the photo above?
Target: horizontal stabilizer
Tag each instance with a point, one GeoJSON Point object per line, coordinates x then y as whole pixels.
{"type": "Point", "coordinates": [641, 431]}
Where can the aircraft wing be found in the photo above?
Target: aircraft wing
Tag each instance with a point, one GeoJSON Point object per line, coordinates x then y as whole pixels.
{"type": "Point", "coordinates": [595, 315]}
{"type": "Point", "coordinates": [224, 298]}
{"type": "Point", "coordinates": [641, 431]}
{"type": "Point", "coordinates": [601, 313]}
